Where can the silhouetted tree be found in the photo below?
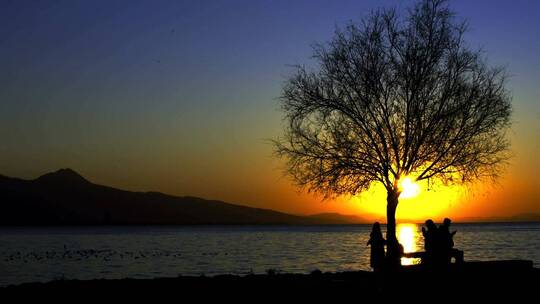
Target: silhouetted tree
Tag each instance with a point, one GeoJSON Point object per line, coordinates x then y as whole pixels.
{"type": "Point", "coordinates": [393, 97]}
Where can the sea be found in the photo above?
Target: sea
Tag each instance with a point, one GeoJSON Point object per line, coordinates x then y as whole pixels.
{"type": "Point", "coordinates": [42, 254]}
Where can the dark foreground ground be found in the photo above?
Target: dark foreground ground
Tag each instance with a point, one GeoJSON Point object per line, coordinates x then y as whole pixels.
{"type": "Point", "coordinates": [511, 279]}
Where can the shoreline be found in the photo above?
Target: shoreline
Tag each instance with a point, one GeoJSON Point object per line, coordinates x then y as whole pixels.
{"type": "Point", "coordinates": [511, 277]}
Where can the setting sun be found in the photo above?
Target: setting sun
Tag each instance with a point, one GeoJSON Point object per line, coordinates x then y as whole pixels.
{"type": "Point", "coordinates": [420, 202]}
{"type": "Point", "coordinates": [409, 188]}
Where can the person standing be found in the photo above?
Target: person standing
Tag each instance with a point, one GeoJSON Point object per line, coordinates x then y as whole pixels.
{"type": "Point", "coordinates": [377, 242]}
{"type": "Point", "coordinates": [430, 241]}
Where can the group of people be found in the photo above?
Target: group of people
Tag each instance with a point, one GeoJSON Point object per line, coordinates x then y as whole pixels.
{"type": "Point", "coordinates": [438, 245]}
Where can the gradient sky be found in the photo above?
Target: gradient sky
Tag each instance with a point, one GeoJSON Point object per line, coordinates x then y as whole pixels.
{"type": "Point", "coordinates": [181, 97]}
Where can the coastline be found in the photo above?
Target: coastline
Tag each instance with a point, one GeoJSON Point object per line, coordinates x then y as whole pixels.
{"type": "Point", "coordinates": [512, 277]}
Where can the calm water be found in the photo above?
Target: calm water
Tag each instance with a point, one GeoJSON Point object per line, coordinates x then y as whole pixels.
{"type": "Point", "coordinates": [45, 254]}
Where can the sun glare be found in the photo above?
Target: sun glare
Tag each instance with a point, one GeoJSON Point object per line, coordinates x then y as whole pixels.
{"type": "Point", "coordinates": [417, 202]}
{"type": "Point", "coordinates": [409, 188]}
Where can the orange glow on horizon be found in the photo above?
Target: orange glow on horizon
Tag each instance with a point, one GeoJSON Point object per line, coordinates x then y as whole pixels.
{"type": "Point", "coordinates": [417, 202]}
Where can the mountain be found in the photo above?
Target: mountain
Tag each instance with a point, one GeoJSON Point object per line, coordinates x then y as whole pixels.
{"type": "Point", "coordinates": [66, 198]}
{"type": "Point", "coordinates": [523, 217]}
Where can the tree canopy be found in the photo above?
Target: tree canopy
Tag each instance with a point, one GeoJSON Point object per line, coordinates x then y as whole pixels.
{"type": "Point", "coordinates": [395, 96]}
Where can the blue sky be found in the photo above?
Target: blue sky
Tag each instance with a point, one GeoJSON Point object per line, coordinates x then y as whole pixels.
{"type": "Point", "coordinates": [180, 96]}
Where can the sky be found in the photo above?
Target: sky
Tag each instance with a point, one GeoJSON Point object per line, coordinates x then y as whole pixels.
{"type": "Point", "coordinates": [181, 97]}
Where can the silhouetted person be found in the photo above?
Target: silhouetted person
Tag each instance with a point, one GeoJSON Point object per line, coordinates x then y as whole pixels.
{"type": "Point", "coordinates": [377, 242]}
{"type": "Point", "coordinates": [430, 236]}
{"type": "Point", "coordinates": [431, 241]}
{"type": "Point", "coordinates": [446, 243]}
{"type": "Point", "coordinates": [446, 237]}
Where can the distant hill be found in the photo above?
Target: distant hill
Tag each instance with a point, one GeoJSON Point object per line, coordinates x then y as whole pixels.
{"type": "Point", "coordinates": [66, 198]}
{"type": "Point", "coordinates": [524, 217]}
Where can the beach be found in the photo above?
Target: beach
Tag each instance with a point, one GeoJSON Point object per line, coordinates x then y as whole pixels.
{"type": "Point", "coordinates": [517, 278]}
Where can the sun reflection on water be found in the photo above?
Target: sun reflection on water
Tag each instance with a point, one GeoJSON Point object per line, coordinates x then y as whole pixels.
{"type": "Point", "coordinates": [409, 236]}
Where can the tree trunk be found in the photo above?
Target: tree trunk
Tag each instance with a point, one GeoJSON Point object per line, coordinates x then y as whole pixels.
{"type": "Point", "coordinates": [393, 248]}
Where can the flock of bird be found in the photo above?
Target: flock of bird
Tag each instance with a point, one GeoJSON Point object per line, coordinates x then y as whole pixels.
{"type": "Point", "coordinates": [90, 254]}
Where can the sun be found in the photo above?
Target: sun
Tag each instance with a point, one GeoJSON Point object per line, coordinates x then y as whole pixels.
{"type": "Point", "coordinates": [418, 200]}
{"type": "Point", "coordinates": [409, 189]}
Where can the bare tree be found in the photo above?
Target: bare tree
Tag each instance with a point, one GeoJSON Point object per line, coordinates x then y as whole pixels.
{"type": "Point", "coordinates": [393, 97]}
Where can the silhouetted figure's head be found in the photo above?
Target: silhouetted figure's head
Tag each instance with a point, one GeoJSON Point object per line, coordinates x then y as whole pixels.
{"type": "Point", "coordinates": [430, 224]}
{"type": "Point", "coordinates": [376, 230]}
{"type": "Point", "coordinates": [447, 222]}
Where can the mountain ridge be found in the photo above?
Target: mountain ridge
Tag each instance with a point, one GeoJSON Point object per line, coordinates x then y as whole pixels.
{"type": "Point", "coordinates": [64, 197]}
{"type": "Point", "coordinates": [50, 200]}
